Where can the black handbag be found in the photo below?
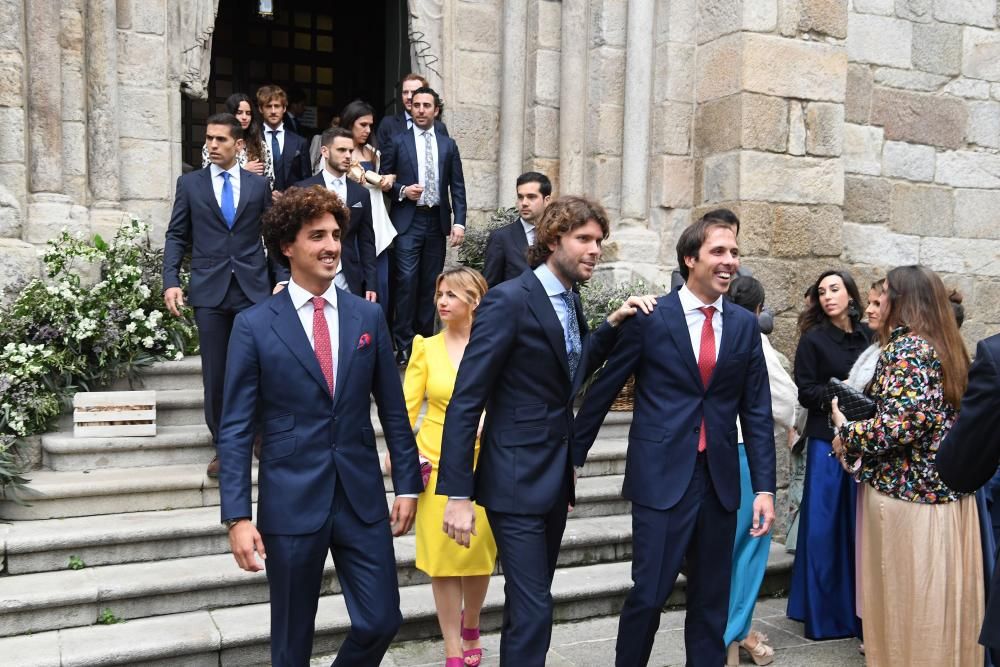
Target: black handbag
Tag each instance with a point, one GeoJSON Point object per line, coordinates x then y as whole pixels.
{"type": "Point", "coordinates": [855, 405]}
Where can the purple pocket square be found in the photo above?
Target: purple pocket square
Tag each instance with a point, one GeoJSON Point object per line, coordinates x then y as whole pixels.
{"type": "Point", "coordinates": [364, 341]}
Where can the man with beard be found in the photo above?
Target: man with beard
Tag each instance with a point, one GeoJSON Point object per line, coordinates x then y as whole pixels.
{"type": "Point", "coordinates": [528, 354]}
{"type": "Point", "coordinates": [507, 247]}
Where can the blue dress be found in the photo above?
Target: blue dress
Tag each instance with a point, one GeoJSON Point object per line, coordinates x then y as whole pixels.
{"type": "Point", "coordinates": [822, 591]}
{"type": "Point", "coordinates": [749, 561]}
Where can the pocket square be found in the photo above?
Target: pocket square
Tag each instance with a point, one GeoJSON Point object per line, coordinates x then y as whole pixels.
{"type": "Point", "coordinates": [364, 341]}
{"type": "Point", "coordinates": [357, 204]}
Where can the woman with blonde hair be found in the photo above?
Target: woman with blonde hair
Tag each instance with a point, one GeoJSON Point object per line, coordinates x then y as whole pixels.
{"type": "Point", "coordinates": [921, 555]}
{"type": "Point", "coordinates": [459, 576]}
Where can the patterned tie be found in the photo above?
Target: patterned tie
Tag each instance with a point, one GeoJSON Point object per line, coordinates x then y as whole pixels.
{"type": "Point", "coordinates": [706, 362]}
{"type": "Point", "coordinates": [275, 147]}
{"type": "Point", "coordinates": [430, 195]}
{"type": "Point", "coordinates": [572, 333]}
{"type": "Point", "coordinates": [321, 341]}
{"type": "Point", "coordinates": [228, 204]}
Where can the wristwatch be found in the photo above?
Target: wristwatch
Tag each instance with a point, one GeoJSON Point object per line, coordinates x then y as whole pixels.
{"type": "Point", "coordinates": [229, 523]}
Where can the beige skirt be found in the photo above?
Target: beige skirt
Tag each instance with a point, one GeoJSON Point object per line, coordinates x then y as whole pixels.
{"type": "Point", "coordinates": [922, 567]}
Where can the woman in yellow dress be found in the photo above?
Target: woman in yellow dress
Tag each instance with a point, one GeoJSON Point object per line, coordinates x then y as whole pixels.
{"type": "Point", "coordinates": [459, 576]}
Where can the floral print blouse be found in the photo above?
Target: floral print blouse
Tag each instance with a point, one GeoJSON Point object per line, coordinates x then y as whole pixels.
{"type": "Point", "coordinates": [897, 447]}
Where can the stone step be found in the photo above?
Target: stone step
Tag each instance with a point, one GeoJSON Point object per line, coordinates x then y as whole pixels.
{"type": "Point", "coordinates": [42, 545]}
{"type": "Point", "coordinates": [240, 635]}
{"type": "Point", "coordinates": [183, 374]}
{"type": "Point", "coordinates": [70, 598]}
{"type": "Point", "coordinates": [53, 495]}
{"type": "Point", "coordinates": [172, 445]}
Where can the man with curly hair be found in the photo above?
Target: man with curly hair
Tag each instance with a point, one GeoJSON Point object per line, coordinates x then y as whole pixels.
{"type": "Point", "coordinates": [303, 365]}
{"type": "Point", "coordinates": [528, 354]}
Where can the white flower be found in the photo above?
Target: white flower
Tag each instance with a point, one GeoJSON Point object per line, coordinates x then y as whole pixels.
{"type": "Point", "coordinates": [144, 291]}
{"type": "Point", "coordinates": [147, 342]}
{"type": "Point", "coordinates": [138, 314]}
{"type": "Point", "coordinates": [130, 327]}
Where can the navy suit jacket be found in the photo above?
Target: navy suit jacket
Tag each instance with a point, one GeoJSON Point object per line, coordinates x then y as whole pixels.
{"type": "Point", "coordinates": [294, 164]}
{"type": "Point", "coordinates": [358, 245]}
{"type": "Point", "coordinates": [516, 367]}
{"type": "Point", "coordinates": [400, 158]}
{"type": "Point", "coordinates": [395, 124]}
{"type": "Point", "coordinates": [969, 455]}
{"type": "Point", "coordinates": [218, 253]}
{"type": "Point", "coordinates": [670, 401]}
{"type": "Point", "coordinates": [506, 253]}
{"type": "Point", "coordinates": [311, 442]}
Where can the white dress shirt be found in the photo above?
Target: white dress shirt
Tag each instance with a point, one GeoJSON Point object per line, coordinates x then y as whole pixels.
{"type": "Point", "coordinates": [529, 231]}
{"type": "Point", "coordinates": [420, 140]}
{"type": "Point", "coordinates": [302, 302]}
{"type": "Point", "coordinates": [554, 289]}
{"type": "Point", "coordinates": [696, 319]}
{"type": "Point", "coordinates": [279, 132]}
{"type": "Point", "coordinates": [218, 181]}
{"type": "Point", "coordinates": [338, 185]}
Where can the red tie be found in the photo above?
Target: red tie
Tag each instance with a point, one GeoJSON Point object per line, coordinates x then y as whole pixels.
{"type": "Point", "coordinates": [706, 362]}
{"type": "Point", "coordinates": [321, 341]}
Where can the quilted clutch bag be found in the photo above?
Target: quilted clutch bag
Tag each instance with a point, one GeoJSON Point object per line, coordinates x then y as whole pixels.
{"type": "Point", "coordinates": [855, 405]}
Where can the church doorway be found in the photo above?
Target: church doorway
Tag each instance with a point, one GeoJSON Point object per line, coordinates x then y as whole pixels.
{"type": "Point", "coordinates": [327, 51]}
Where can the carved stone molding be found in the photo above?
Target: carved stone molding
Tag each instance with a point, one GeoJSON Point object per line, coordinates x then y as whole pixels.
{"type": "Point", "coordinates": [192, 24]}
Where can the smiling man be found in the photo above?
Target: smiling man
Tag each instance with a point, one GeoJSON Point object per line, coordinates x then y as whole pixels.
{"type": "Point", "coordinates": [304, 365]}
{"type": "Point", "coordinates": [699, 366]}
{"type": "Point", "coordinates": [528, 354]}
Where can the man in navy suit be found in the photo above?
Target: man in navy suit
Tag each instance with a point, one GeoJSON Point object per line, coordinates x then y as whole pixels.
{"type": "Point", "coordinates": [403, 121]}
{"type": "Point", "coordinates": [289, 151]}
{"type": "Point", "coordinates": [699, 365]}
{"type": "Point", "coordinates": [528, 354]}
{"type": "Point", "coordinates": [429, 187]}
{"type": "Point", "coordinates": [356, 272]}
{"type": "Point", "coordinates": [304, 364]}
{"type": "Point", "coordinates": [969, 455]}
{"type": "Point", "coordinates": [507, 247]}
{"type": "Point", "coordinates": [216, 218]}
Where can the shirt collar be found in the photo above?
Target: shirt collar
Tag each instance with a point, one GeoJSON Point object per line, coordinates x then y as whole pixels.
{"type": "Point", "coordinates": [279, 129]}
{"type": "Point", "coordinates": [548, 279]}
{"type": "Point", "coordinates": [301, 296]}
{"type": "Point", "coordinates": [418, 131]}
{"type": "Point", "coordinates": [528, 227]}
{"type": "Point", "coordinates": [330, 177]}
{"type": "Point", "coordinates": [234, 171]}
{"type": "Point", "coordinates": [690, 302]}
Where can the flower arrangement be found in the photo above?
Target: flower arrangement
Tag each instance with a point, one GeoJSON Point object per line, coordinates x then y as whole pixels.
{"type": "Point", "coordinates": [600, 298]}
{"type": "Point", "coordinates": [64, 333]}
{"type": "Point", "coordinates": [472, 252]}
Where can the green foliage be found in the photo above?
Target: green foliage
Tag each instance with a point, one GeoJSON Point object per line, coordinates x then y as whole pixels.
{"type": "Point", "coordinates": [65, 333]}
{"type": "Point", "coordinates": [472, 252]}
{"type": "Point", "coordinates": [600, 298]}
{"type": "Point", "coordinates": [107, 617]}
{"type": "Point", "coordinates": [76, 563]}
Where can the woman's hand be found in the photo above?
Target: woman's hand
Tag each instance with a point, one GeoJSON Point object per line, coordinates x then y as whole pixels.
{"type": "Point", "coordinates": [256, 166]}
{"type": "Point", "coordinates": [837, 417]}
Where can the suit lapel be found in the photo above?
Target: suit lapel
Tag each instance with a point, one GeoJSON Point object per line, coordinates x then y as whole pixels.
{"type": "Point", "coordinates": [541, 306]}
{"type": "Point", "coordinates": [520, 238]}
{"type": "Point", "coordinates": [676, 322]}
{"type": "Point", "coordinates": [350, 331]}
{"type": "Point", "coordinates": [288, 328]}
{"type": "Point", "coordinates": [728, 336]}
{"type": "Point", "coordinates": [209, 192]}
{"type": "Point", "coordinates": [411, 151]}
{"type": "Point", "coordinates": [441, 156]}
{"type": "Point", "coordinates": [584, 342]}
{"type": "Point", "coordinates": [247, 190]}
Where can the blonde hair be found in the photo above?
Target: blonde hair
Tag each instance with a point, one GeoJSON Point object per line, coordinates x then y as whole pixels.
{"type": "Point", "coordinates": [468, 283]}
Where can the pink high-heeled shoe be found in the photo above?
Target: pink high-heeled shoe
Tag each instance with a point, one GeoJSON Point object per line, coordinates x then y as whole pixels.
{"type": "Point", "coordinates": [473, 656]}
{"type": "Point", "coordinates": [454, 662]}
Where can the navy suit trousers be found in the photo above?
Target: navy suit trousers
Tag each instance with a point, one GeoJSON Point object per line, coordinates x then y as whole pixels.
{"type": "Point", "coordinates": [366, 569]}
{"type": "Point", "coordinates": [419, 255]}
{"type": "Point", "coordinates": [528, 547]}
{"type": "Point", "coordinates": [699, 528]}
{"type": "Point", "coordinates": [214, 326]}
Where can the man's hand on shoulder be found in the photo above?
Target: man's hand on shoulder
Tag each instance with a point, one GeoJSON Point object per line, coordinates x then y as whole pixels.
{"type": "Point", "coordinates": [404, 510]}
{"type": "Point", "coordinates": [279, 287]}
{"type": "Point", "coordinates": [173, 297]}
{"type": "Point", "coordinates": [633, 304]}
{"type": "Point", "coordinates": [247, 546]}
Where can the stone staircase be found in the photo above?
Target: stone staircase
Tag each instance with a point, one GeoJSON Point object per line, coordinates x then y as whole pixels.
{"type": "Point", "coordinates": [128, 528]}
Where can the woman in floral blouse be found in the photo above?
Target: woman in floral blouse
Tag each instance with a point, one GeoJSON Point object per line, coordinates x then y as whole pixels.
{"type": "Point", "coordinates": [921, 557]}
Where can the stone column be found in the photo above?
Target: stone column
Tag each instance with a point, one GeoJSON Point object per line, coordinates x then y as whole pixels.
{"type": "Point", "coordinates": [44, 97]}
{"type": "Point", "coordinates": [572, 95]}
{"type": "Point", "coordinates": [102, 101]}
{"type": "Point", "coordinates": [512, 97]}
{"type": "Point", "coordinates": [638, 95]}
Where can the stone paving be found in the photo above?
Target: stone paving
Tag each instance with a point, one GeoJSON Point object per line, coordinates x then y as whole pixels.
{"type": "Point", "coordinates": [591, 643]}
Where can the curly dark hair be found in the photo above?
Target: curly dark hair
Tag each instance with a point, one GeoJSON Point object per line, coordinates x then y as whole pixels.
{"type": "Point", "coordinates": [282, 222]}
{"type": "Point", "coordinates": [561, 216]}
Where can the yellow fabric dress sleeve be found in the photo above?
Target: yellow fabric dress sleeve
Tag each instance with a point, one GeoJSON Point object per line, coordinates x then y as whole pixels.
{"type": "Point", "coordinates": [415, 380]}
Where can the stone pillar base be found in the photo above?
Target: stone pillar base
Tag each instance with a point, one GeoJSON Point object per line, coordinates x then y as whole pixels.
{"type": "Point", "coordinates": [20, 264]}
{"type": "Point", "coordinates": [49, 214]}
{"type": "Point", "coordinates": [106, 220]}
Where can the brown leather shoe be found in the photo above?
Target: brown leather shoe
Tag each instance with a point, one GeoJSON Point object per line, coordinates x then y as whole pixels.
{"type": "Point", "coordinates": [213, 468]}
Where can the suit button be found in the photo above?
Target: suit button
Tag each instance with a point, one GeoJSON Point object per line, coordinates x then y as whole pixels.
{"type": "Point", "coordinates": [697, 429]}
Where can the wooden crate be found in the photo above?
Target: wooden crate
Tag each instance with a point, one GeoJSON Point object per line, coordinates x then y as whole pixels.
{"type": "Point", "coordinates": [102, 414]}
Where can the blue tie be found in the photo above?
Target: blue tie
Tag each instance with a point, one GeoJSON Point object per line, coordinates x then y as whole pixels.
{"type": "Point", "coordinates": [572, 333]}
{"type": "Point", "coordinates": [275, 147]}
{"type": "Point", "coordinates": [228, 206]}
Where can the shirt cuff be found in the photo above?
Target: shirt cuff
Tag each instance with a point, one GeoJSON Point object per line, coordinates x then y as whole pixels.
{"type": "Point", "coordinates": [402, 196]}
{"type": "Point", "coordinates": [406, 495]}
{"type": "Point", "coordinates": [764, 493]}
{"type": "Point", "coordinates": [458, 497]}
{"type": "Point", "coordinates": [458, 225]}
